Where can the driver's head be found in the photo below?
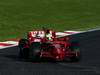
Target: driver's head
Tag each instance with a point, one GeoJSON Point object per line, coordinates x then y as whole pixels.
{"type": "Point", "coordinates": [47, 31]}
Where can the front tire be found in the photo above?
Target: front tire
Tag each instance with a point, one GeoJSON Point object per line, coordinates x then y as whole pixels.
{"type": "Point", "coordinates": [76, 48]}
{"type": "Point", "coordinates": [34, 51]}
{"type": "Point", "coordinates": [23, 53]}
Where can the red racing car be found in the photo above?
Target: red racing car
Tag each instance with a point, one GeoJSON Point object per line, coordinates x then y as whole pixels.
{"type": "Point", "coordinates": [38, 46]}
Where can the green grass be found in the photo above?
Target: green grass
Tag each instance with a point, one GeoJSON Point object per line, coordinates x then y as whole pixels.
{"type": "Point", "coordinates": [17, 17]}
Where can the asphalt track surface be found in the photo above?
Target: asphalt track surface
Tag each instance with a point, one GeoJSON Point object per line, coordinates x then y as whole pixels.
{"type": "Point", "coordinates": [89, 64]}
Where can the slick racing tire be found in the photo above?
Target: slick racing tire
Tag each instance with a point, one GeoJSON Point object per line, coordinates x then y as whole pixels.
{"type": "Point", "coordinates": [76, 48]}
{"type": "Point", "coordinates": [23, 52]}
{"type": "Point", "coordinates": [22, 42]}
{"type": "Point", "coordinates": [34, 51]}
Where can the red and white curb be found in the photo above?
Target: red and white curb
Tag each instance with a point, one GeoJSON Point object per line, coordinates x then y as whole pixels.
{"type": "Point", "coordinates": [66, 33]}
{"type": "Point", "coordinates": [11, 43]}
{"type": "Point", "coordinates": [8, 44]}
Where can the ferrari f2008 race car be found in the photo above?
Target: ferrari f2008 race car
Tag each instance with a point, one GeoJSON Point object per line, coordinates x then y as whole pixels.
{"type": "Point", "coordinates": [45, 44]}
